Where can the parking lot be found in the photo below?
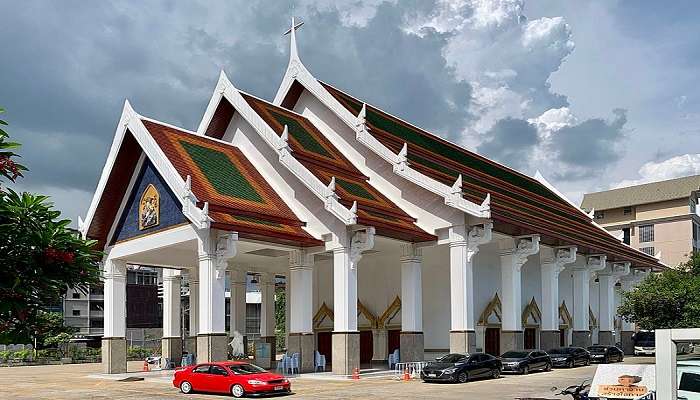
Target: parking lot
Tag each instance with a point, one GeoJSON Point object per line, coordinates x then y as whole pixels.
{"type": "Point", "coordinates": [78, 382]}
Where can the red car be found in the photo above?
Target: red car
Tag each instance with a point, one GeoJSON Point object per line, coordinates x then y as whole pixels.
{"type": "Point", "coordinates": [235, 377]}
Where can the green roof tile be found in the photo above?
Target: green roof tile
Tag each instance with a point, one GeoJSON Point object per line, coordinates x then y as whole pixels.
{"type": "Point", "coordinates": [221, 173]}
{"type": "Point", "coordinates": [307, 141]}
{"type": "Point", "coordinates": [355, 189]}
{"type": "Point", "coordinates": [257, 221]}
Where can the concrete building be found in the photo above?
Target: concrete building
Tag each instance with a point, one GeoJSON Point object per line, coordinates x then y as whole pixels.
{"type": "Point", "coordinates": [389, 236]}
{"type": "Point", "coordinates": [660, 218]}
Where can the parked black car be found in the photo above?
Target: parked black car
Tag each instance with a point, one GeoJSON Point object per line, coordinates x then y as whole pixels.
{"type": "Point", "coordinates": [524, 361]}
{"type": "Point", "coordinates": [569, 356]}
{"type": "Point", "coordinates": [605, 354]}
{"type": "Point", "coordinates": [462, 367]}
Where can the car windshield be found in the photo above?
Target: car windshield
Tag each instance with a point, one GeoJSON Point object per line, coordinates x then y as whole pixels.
{"type": "Point", "coordinates": [561, 350]}
{"type": "Point", "coordinates": [451, 358]}
{"type": "Point", "coordinates": [515, 354]}
{"type": "Point", "coordinates": [245, 369]}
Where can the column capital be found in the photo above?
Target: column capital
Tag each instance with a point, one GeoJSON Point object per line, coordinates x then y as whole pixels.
{"type": "Point", "coordinates": [558, 256]}
{"type": "Point", "coordinates": [594, 262]}
{"type": "Point", "coordinates": [114, 269]}
{"type": "Point", "coordinates": [300, 258]}
{"type": "Point", "coordinates": [520, 248]}
{"type": "Point", "coordinates": [411, 252]}
{"type": "Point", "coordinates": [360, 240]}
{"type": "Point", "coordinates": [633, 278]}
{"type": "Point", "coordinates": [470, 236]}
{"type": "Point", "coordinates": [171, 275]}
{"type": "Point", "coordinates": [217, 247]}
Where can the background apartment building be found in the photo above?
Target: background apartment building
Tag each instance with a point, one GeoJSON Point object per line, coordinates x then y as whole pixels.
{"type": "Point", "coordinates": [659, 218]}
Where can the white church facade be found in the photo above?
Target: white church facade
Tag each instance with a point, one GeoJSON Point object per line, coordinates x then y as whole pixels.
{"type": "Point", "coordinates": [389, 236]}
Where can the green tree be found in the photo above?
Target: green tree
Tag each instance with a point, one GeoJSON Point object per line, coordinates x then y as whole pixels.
{"type": "Point", "coordinates": [280, 318]}
{"type": "Point", "coordinates": [40, 256]}
{"type": "Point", "coordinates": [666, 300]}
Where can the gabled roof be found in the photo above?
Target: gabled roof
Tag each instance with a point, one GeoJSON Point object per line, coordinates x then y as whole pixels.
{"type": "Point", "coordinates": [672, 189]}
{"type": "Point", "coordinates": [216, 184]}
{"type": "Point", "coordinates": [519, 204]}
{"type": "Point", "coordinates": [318, 155]}
{"type": "Point", "coordinates": [239, 197]}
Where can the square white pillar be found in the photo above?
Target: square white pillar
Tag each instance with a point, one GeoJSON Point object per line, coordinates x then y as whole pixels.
{"type": "Point", "coordinates": [193, 278]}
{"type": "Point", "coordinates": [411, 289]}
{"type": "Point", "coordinates": [582, 277]}
{"type": "Point", "coordinates": [171, 303]}
{"type": "Point", "coordinates": [301, 292]}
{"type": "Point", "coordinates": [464, 244]}
{"type": "Point", "coordinates": [267, 306]}
{"type": "Point", "coordinates": [237, 302]}
{"type": "Point", "coordinates": [344, 291]}
{"type": "Point", "coordinates": [114, 273]}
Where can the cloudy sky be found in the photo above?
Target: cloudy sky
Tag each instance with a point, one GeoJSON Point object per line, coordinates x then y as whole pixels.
{"type": "Point", "coordinates": [593, 93]}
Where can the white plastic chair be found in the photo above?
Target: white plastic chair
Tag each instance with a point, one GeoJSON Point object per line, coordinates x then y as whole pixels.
{"type": "Point", "coordinates": [282, 364]}
{"type": "Point", "coordinates": [394, 358]}
{"type": "Point", "coordinates": [319, 361]}
{"type": "Point", "coordinates": [293, 363]}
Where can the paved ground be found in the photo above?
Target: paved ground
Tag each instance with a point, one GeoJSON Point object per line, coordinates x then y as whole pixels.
{"type": "Point", "coordinates": [74, 382]}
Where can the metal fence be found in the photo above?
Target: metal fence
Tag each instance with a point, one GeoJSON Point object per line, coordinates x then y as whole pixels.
{"type": "Point", "coordinates": [413, 369]}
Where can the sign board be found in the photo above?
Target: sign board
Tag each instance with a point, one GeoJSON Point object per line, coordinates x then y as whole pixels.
{"type": "Point", "coordinates": [624, 381]}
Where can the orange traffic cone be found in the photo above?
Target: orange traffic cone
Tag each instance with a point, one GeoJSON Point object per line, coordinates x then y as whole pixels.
{"type": "Point", "coordinates": [406, 376]}
{"type": "Point", "coordinates": [356, 373]}
{"type": "Point", "coordinates": [145, 366]}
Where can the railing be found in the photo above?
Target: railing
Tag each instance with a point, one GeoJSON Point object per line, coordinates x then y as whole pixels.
{"type": "Point", "coordinates": [414, 369]}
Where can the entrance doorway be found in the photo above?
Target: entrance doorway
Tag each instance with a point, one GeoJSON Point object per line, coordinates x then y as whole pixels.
{"type": "Point", "coordinates": [393, 340]}
{"type": "Point", "coordinates": [325, 344]}
{"type": "Point", "coordinates": [530, 338]}
{"type": "Point", "coordinates": [366, 347]}
{"type": "Point", "coordinates": [492, 341]}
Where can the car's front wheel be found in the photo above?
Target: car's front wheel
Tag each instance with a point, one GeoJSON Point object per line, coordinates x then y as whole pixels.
{"type": "Point", "coordinates": [186, 387]}
{"type": "Point", "coordinates": [525, 370]}
{"type": "Point", "coordinates": [237, 391]}
{"type": "Point", "coordinates": [588, 361]}
{"type": "Point", "coordinates": [570, 364]}
{"type": "Point", "coordinates": [462, 377]}
{"type": "Point", "coordinates": [496, 373]}
{"type": "Point", "coordinates": [548, 367]}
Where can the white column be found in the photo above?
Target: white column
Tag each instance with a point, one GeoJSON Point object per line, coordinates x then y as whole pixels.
{"type": "Point", "coordinates": [114, 299]}
{"type": "Point", "coordinates": [411, 289]}
{"type": "Point", "coordinates": [464, 245]}
{"type": "Point", "coordinates": [581, 282]}
{"type": "Point", "coordinates": [194, 301]}
{"type": "Point", "coordinates": [344, 291]}
{"type": "Point", "coordinates": [171, 303]}
{"type": "Point", "coordinates": [215, 248]}
{"type": "Point", "coordinates": [553, 261]}
{"type": "Point", "coordinates": [237, 301]}
{"type": "Point", "coordinates": [513, 254]}
{"type": "Point", "coordinates": [267, 306]}
{"type": "Point", "coordinates": [301, 293]}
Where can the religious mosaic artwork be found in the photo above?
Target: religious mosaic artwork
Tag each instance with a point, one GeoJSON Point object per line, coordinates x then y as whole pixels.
{"type": "Point", "coordinates": [149, 208]}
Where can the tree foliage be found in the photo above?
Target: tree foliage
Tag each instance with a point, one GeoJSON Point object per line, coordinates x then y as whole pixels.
{"type": "Point", "coordinates": [40, 256]}
{"type": "Point", "coordinates": [666, 300]}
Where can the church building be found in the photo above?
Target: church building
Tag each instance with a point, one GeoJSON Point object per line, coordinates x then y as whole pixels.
{"type": "Point", "coordinates": [389, 236]}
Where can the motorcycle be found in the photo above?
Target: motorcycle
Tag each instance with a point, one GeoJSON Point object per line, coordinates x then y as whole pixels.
{"type": "Point", "coordinates": [577, 392]}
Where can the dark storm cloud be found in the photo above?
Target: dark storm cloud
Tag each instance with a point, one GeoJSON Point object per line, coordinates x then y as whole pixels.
{"type": "Point", "coordinates": [590, 146]}
{"type": "Point", "coordinates": [510, 141]}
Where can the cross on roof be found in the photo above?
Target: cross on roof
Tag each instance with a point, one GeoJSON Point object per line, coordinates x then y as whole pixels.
{"type": "Point", "coordinates": [294, 26]}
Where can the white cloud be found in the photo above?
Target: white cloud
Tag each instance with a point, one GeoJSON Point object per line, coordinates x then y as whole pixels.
{"type": "Point", "coordinates": [674, 167]}
{"type": "Point", "coordinates": [351, 12]}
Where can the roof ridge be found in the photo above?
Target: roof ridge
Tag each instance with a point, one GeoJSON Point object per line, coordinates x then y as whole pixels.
{"type": "Point", "coordinates": [436, 136]}
{"type": "Point", "coordinates": [680, 178]}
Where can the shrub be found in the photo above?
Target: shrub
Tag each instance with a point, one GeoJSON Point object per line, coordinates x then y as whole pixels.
{"type": "Point", "coordinates": [138, 352]}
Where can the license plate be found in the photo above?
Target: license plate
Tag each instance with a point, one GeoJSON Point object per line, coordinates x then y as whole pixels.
{"type": "Point", "coordinates": [432, 375]}
{"type": "Point", "coordinates": [279, 387]}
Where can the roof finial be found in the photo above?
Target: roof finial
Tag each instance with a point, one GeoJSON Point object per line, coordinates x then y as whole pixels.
{"type": "Point", "coordinates": [293, 54]}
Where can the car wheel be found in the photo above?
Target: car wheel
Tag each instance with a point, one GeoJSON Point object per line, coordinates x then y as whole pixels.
{"type": "Point", "coordinates": [526, 370]}
{"type": "Point", "coordinates": [186, 387]}
{"type": "Point", "coordinates": [548, 367]}
{"type": "Point", "coordinates": [462, 377]}
{"type": "Point", "coordinates": [588, 361]}
{"type": "Point", "coordinates": [496, 373]}
{"type": "Point", "coordinates": [606, 360]}
{"type": "Point", "coordinates": [237, 391]}
{"type": "Point", "coordinates": [622, 358]}
{"type": "Point", "coordinates": [570, 364]}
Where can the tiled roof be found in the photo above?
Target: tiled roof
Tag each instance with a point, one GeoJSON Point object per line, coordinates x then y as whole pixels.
{"type": "Point", "coordinates": [519, 204]}
{"type": "Point", "coordinates": [311, 148]}
{"type": "Point", "coordinates": [239, 198]}
{"type": "Point", "coordinates": [654, 192]}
